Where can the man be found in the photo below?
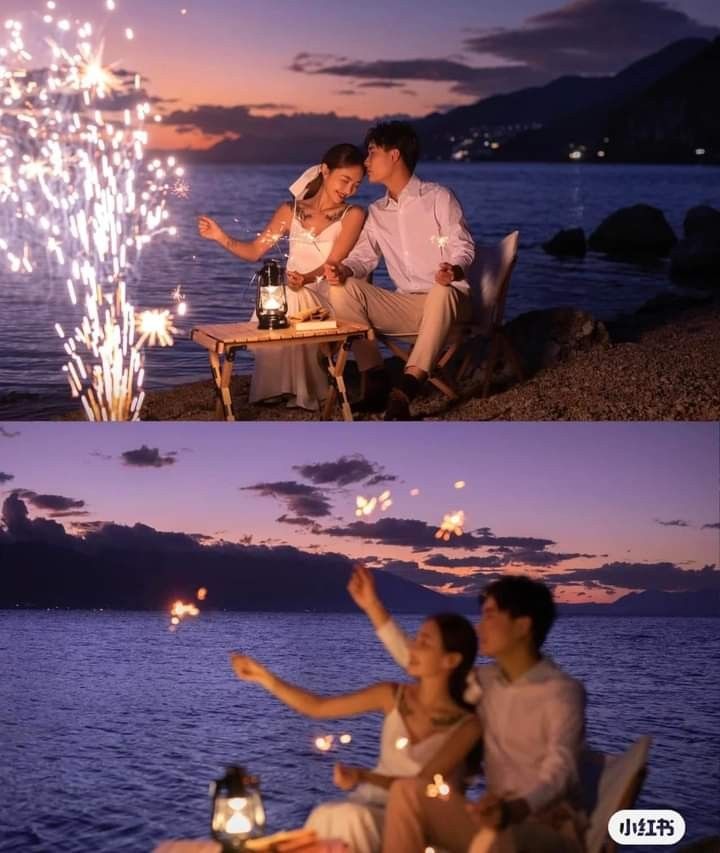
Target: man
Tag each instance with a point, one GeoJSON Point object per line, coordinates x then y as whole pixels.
{"type": "Point", "coordinates": [533, 717]}
{"type": "Point", "coordinates": [420, 231]}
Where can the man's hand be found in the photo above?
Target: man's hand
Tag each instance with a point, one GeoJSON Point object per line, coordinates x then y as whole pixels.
{"type": "Point", "coordinates": [362, 587]}
{"type": "Point", "coordinates": [248, 669]}
{"type": "Point", "coordinates": [445, 275]}
{"type": "Point", "coordinates": [295, 280]}
{"type": "Point", "coordinates": [346, 778]}
{"type": "Point", "coordinates": [486, 812]}
{"type": "Point", "coordinates": [209, 229]}
{"type": "Point", "coordinates": [337, 274]}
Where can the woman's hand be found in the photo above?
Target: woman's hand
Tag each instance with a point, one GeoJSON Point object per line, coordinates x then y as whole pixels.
{"type": "Point", "coordinates": [295, 280]}
{"type": "Point", "coordinates": [209, 229]}
{"type": "Point", "coordinates": [248, 669]}
{"type": "Point", "coordinates": [346, 778]}
{"type": "Point", "coordinates": [361, 587]}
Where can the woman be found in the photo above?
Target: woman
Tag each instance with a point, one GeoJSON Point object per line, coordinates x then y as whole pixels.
{"type": "Point", "coordinates": [322, 228]}
{"type": "Point", "coordinates": [428, 729]}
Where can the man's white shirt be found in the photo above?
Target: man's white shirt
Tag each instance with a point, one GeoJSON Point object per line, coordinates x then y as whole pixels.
{"type": "Point", "coordinates": [533, 727]}
{"type": "Point", "coordinates": [417, 232]}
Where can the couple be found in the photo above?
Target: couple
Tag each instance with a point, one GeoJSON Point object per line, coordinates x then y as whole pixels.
{"type": "Point", "coordinates": [417, 227]}
{"type": "Point", "coordinates": [521, 713]}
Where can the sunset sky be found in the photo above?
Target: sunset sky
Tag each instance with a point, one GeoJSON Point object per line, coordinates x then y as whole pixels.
{"type": "Point", "coordinates": [227, 67]}
{"type": "Point", "coordinates": [610, 507]}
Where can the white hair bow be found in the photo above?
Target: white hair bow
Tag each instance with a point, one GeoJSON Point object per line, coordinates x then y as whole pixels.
{"type": "Point", "coordinates": [300, 186]}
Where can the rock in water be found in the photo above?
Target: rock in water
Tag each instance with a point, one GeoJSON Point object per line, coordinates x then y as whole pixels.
{"type": "Point", "coordinates": [638, 231]}
{"type": "Point", "coordinates": [544, 338]}
{"type": "Point", "coordinates": [568, 243]}
{"type": "Point", "coordinates": [696, 259]}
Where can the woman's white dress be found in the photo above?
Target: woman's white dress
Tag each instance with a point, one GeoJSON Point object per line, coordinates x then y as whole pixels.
{"type": "Point", "coordinates": [294, 369]}
{"type": "Point", "coordinates": [358, 820]}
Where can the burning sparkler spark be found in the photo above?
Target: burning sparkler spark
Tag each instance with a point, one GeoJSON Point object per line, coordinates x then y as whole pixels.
{"type": "Point", "coordinates": [180, 301]}
{"type": "Point", "coordinates": [345, 739]}
{"type": "Point", "coordinates": [324, 743]}
{"type": "Point", "coordinates": [438, 788]}
{"type": "Point", "coordinates": [460, 484]}
{"type": "Point", "coordinates": [452, 525]}
{"type": "Point", "coordinates": [155, 328]}
{"type": "Point", "coordinates": [441, 241]}
{"type": "Point", "coordinates": [367, 506]}
{"type": "Point", "coordinates": [201, 594]}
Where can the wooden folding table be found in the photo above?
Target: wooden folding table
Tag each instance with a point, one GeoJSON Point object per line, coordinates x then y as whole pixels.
{"type": "Point", "coordinates": [223, 340]}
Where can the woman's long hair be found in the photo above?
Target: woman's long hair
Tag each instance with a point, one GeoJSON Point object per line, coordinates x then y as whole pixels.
{"type": "Point", "coordinates": [458, 635]}
{"type": "Point", "coordinates": [338, 157]}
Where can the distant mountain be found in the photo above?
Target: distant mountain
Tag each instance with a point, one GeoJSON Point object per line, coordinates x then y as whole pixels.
{"type": "Point", "coordinates": [537, 123]}
{"type": "Point", "coordinates": [674, 118]}
{"type": "Point", "coordinates": [255, 578]}
{"type": "Point", "coordinates": [529, 111]}
{"type": "Point", "coordinates": [115, 576]}
{"type": "Point", "coordinates": [705, 602]}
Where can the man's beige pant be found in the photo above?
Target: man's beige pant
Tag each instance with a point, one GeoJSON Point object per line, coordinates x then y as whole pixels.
{"type": "Point", "coordinates": [429, 315]}
{"type": "Point", "coordinates": [413, 821]}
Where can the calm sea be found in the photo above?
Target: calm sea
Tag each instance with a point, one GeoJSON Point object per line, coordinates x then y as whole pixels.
{"type": "Point", "coordinates": [111, 727]}
{"type": "Point", "coordinates": [498, 198]}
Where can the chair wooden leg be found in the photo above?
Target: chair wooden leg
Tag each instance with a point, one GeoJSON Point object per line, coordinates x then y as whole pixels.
{"type": "Point", "coordinates": [491, 363]}
{"type": "Point", "coordinates": [464, 367]}
{"type": "Point", "coordinates": [445, 389]}
{"type": "Point", "coordinates": [513, 357]}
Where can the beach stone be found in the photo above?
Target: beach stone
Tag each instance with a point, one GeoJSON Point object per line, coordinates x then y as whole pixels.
{"type": "Point", "coordinates": [637, 231]}
{"type": "Point", "coordinates": [695, 261]}
{"type": "Point", "coordinates": [546, 337]}
{"type": "Point", "coordinates": [570, 242]}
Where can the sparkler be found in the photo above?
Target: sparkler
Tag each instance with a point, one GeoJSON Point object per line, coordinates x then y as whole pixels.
{"type": "Point", "coordinates": [441, 241]}
{"type": "Point", "coordinates": [74, 185]}
{"type": "Point", "coordinates": [438, 788]}
{"type": "Point", "coordinates": [324, 743]}
{"type": "Point", "coordinates": [180, 611]}
{"type": "Point", "coordinates": [367, 506]}
{"type": "Point", "coordinates": [180, 301]}
{"type": "Point", "coordinates": [452, 525]}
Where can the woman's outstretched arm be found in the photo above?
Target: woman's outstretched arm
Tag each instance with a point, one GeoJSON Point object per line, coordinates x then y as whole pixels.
{"type": "Point", "coordinates": [362, 591]}
{"type": "Point", "coordinates": [249, 250]}
{"type": "Point", "coordinates": [377, 697]}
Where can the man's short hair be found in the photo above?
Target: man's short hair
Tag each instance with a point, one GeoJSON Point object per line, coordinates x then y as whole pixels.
{"type": "Point", "coordinates": [396, 134]}
{"type": "Point", "coordinates": [520, 595]}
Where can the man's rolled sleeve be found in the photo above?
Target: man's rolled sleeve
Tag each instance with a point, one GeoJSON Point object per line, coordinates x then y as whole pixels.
{"type": "Point", "coordinates": [566, 732]}
{"type": "Point", "coordinates": [460, 248]}
{"type": "Point", "coordinates": [396, 641]}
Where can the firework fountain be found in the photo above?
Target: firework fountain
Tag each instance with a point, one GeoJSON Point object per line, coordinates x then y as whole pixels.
{"type": "Point", "coordinates": [75, 186]}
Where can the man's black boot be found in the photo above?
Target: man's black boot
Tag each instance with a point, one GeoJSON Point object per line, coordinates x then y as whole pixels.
{"type": "Point", "coordinates": [398, 407]}
{"type": "Point", "coordinates": [377, 389]}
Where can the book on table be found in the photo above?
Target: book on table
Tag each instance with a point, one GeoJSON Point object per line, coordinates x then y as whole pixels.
{"type": "Point", "coordinates": [316, 326]}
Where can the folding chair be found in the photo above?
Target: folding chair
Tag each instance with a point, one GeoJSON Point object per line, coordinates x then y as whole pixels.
{"type": "Point", "coordinates": [489, 281]}
{"type": "Point", "coordinates": [621, 779]}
